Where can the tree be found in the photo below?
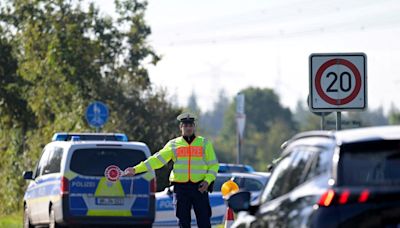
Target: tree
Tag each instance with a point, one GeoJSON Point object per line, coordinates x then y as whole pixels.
{"type": "Point", "coordinates": [58, 58]}
{"type": "Point", "coordinates": [15, 119]}
{"type": "Point", "coordinates": [367, 118]}
{"type": "Point", "coordinates": [212, 121]}
{"type": "Point", "coordinates": [192, 105]}
{"type": "Point", "coordinates": [305, 119]}
{"type": "Point", "coordinates": [267, 123]}
{"type": "Point", "coordinates": [394, 115]}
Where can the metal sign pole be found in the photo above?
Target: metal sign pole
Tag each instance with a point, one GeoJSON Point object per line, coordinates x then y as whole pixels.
{"type": "Point", "coordinates": [238, 149]}
{"type": "Point", "coordinates": [240, 123]}
{"type": "Point", "coordinates": [323, 121]}
{"type": "Point", "coordinates": [338, 121]}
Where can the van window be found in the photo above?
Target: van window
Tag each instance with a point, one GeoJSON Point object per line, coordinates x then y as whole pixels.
{"type": "Point", "coordinates": [54, 161]}
{"type": "Point", "coordinates": [42, 162]}
{"type": "Point", "coordinates": [93, 161]}
{"type": "Point", "coordinates": [370, 163]}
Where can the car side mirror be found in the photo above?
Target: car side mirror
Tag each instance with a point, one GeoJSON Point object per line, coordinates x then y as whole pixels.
{"type": "Point", "coordinates": [239, 201]}
{"type": "Point", "coordinates": [28, 175]}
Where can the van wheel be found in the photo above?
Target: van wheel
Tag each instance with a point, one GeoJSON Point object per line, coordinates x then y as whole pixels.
{"type": "Point", "coordinates": [27, 221]}
{"type": "Point", "coordinates": [53, 223]}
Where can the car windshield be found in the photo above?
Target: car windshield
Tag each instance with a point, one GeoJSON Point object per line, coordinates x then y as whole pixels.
{"type": "Point", "coordinates": [250, 184]}
{"type": "Point", "coordinates": [235, 168]}
{"type": "Point", "coordinates": [93, 162]}
{"type": "Point", "coordinates": [370, 163]}
{"type": "Point", "coordinates": [219, 181]}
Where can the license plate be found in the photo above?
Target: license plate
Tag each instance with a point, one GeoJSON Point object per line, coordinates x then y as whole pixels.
{"type": "Point", "coordinates": [109, 201]}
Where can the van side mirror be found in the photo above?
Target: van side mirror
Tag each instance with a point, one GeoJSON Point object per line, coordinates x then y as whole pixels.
{"type": "Point", "coordinates": [28, 175]}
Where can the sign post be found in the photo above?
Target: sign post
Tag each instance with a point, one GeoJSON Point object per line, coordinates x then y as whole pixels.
{"type": "Point", "coordinates": [338, 82]}
{"type": "Point", "coordinates": [320, 114]}
{"type": "Point", "coordinates": [240, 123]}
{"type": "Point", "coordinates": [97, 114]}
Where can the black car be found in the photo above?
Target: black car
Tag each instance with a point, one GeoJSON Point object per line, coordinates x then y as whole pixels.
{"type": "Point", "coordinates": [324, 179]}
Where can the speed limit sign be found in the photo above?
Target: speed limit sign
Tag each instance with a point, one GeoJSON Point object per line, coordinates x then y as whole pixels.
{"type": "Point", "coordinates": [338, 82]}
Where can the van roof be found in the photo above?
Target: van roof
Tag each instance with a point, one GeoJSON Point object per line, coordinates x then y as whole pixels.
{"type": "Point", "coordinates": [67, 136]}
{"type": "Point", "coordinates": [97, 143]}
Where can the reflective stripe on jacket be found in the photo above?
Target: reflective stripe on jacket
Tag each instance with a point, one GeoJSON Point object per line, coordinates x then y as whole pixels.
{"type": "Point", "coordinates": [192, 162]}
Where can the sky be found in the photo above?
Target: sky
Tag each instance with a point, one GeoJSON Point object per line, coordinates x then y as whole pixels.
{"type": "Point", "coordinates": [211, 45]}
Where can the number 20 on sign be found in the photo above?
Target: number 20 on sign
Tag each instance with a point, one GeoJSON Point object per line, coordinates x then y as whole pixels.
{"type": "Point", "coordinates": [338, 82]}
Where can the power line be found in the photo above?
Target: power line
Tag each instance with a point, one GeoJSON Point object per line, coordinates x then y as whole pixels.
{"type": "Point", "coordinates": [378, 19]}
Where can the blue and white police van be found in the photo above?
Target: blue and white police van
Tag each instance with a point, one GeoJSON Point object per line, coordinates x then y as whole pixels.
{"type": "Point", "coordinates": [68, 186]}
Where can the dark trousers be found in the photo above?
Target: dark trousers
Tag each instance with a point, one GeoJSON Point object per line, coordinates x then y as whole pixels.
{"type": "Point", "coordinates": [187, 196]}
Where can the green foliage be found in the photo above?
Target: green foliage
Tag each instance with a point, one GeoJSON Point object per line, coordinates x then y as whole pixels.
{"type": "Point", "coordinates": [192, 105]}
{"type": "Point", "coordinates": [394, 115]}
{"type": "Point", "coordinates": [11, 221]}
{"type": "Point", "coordinates": [212, 121]}
{"type": "Point", "coordinates": [307, 121]}
{"type": "Point", "coordinates": [268, 125]}
{"type": "Point", "coordinates": [57, 57]}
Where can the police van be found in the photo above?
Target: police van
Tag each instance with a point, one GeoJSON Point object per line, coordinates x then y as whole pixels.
{"type": "Point", "coordinates": [69, 188]}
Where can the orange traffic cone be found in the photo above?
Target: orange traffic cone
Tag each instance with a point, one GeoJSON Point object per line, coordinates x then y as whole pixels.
{"type": "Point", "coordinates": [229, 217]}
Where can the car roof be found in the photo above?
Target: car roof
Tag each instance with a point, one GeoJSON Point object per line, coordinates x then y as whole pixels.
{"type": "Point", "coordinates": [354, 135]}
{"type": "Point", "coordinates": [243, 175]}
{"type": "Point", "coordinates": [232, 164]}
{"type": "Point", "coordinates": [369, 134]}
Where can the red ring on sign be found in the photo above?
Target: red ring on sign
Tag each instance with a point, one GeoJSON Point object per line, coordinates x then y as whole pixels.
{"type": "Point", "coordinates": [112, 173]}
{"type": "Point", "coordinates": [327, 98]}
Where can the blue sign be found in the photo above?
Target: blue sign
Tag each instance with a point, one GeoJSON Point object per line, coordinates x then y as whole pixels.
{"type": "Point", "coordinates": [97, 114]}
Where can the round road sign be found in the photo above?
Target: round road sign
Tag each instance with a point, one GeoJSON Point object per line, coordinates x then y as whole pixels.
{"type": "Point", "coordinates": [338, 82]}
{"type": "Point", "coordinates": [97, 114]}
{"type": "Point", "coordinates": [355, 89]}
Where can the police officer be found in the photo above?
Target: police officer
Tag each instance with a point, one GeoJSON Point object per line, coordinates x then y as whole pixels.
{"type": "Point", "coordinates": [195, 168]}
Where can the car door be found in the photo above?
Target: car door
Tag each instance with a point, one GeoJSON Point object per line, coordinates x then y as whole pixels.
{"type": "Point", "coordinates": [52, 179]}
{"type": "Point", "coordinates": [43, 187]}
{"type": "Point", "coordinates": [309, 176]}
{"type": "Point", "coordinates": [37, 188]}
{"type": "Point", "coordinates": [286, 177]}
{"type": "Point", "coordinates": [273, 194]}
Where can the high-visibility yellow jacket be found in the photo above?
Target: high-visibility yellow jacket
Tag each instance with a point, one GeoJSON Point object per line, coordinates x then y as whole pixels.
{"type": "Point", "coordinates": [193, 162]}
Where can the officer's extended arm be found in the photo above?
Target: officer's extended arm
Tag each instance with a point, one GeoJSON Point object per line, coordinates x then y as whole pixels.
{"type": "Point", "coordinates": [212, 163]}
{"type": "Point", "coordinates": [155, 161]}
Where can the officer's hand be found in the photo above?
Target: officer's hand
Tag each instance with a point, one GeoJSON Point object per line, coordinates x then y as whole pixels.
{"type": "Point", "coordinates": [203, 186]}
{"type": "Point", "coordinates": [129, 172]}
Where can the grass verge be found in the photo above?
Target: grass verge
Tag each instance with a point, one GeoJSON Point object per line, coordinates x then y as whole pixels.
{"type": "Point", "coordinates": [11, 221]}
